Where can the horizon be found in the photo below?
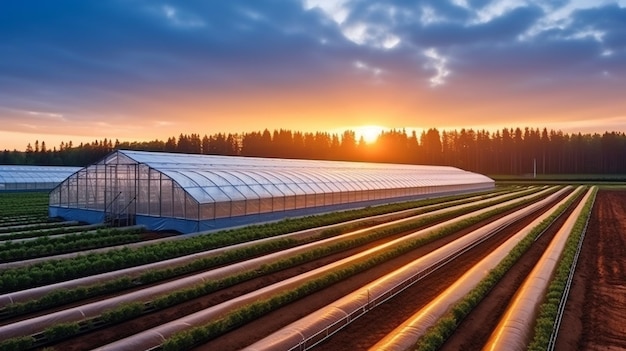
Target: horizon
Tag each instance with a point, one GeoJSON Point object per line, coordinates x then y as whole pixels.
{"type": "Point", "coordinates": [137, 72]}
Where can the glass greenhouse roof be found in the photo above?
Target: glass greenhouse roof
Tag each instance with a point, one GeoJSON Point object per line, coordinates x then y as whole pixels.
{"type": "Point", "coordinates": [10, 174]}
{"type": "Point", "coordinates": [209, 178]}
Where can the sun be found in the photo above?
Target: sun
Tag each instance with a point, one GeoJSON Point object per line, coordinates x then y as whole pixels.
{"type": "Point", "coordinates": [369, 133]}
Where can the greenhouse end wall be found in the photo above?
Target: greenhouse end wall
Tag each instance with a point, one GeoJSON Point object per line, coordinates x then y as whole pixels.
{"type": "Point", "coordinates": [189, 193]}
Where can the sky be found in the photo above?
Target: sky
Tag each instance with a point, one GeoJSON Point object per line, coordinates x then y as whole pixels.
{"type": "Point", "coordinates": [150, 69]}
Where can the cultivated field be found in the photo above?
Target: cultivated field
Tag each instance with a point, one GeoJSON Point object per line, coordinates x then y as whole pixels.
{"type": "Point", "coordinates": [67, 286]}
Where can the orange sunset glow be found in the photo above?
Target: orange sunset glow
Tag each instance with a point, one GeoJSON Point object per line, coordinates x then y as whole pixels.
{"type": "Point", "coordinates": [307, 66]}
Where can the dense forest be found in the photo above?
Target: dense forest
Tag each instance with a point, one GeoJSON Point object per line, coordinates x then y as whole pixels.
{"type": "Point", "coordinates": [508, 151]}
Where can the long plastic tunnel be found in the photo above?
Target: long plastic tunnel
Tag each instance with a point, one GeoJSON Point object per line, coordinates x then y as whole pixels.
{"type": "Point", "coordinates": [514, 329]}
{"type": "Point", "coordinates": [313, 328]}
{"type": "Point", "coordinates": [396, 218]}
{"type": "Point", "coordinates": [94, 309]}
{"type": "Point", "coordinates": [407, 334]}
{"type": "Point", "coordinates": [156, 336]}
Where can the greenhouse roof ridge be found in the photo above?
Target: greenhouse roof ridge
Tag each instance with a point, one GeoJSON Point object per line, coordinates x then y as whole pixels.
{"type": "Point", "coordinates": [168, 159]}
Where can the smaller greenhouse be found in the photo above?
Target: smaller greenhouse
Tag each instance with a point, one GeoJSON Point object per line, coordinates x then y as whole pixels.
{"type": "Point", "coordinates": [31, 178]}
{"type": "Point", "coordinates": [188, 193]}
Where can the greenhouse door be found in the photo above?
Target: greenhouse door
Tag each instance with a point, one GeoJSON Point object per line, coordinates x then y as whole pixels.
{"type": "Point", "coordinates": [120, 195]}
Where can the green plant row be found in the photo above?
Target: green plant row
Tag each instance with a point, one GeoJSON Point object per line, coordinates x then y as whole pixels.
{"type": "Point", "coordinates": [64, 296]}
{"type": "Point", "coordinates": [46, 246]}
{"type": "Point", "coordinates": [24, 204]}
{"type": "Point", "coordinates": [187, 339]}
{"type": "Point", "coordinates": [132, 310]}
{"type": "Point", "coordinates": [549, 309]}
{"type": "Point", "coordinates": [39, 229]}
{"type": "Point", "coordinates": [434, 338]}
{"type": "Point", "coordinates": [51, 245]}
{"type": "Point", "coordinates": [95, 263]}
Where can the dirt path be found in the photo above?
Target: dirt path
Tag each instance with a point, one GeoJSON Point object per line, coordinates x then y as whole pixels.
{"type": "Point", "coordinates": [595, 315]}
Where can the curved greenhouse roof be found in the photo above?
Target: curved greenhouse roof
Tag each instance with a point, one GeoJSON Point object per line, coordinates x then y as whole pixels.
{"type": "Point", "coordinates": [18, 177]}
{"type": "Point", "coordinates": [216, 191]}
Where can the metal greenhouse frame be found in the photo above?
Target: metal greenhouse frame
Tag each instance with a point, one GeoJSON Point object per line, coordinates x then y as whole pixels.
{"type": "Point", "coordinates": [188, 193]}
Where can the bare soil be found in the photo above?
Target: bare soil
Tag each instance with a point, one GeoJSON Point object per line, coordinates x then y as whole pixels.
{"type": "Point", "coordinates": [595, 314]}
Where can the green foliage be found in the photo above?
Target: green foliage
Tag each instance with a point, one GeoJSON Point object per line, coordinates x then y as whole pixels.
{"type": "Point", "coordinates": [17, 344]}
{"type": "Point", "coordinates": [549, 309]}
{"type": "Point", "coordinates": [437, 334]}
{"type": "Point", "coordinates": [61, 331]}
{"type": "Point", "coordinates": [95, 263]}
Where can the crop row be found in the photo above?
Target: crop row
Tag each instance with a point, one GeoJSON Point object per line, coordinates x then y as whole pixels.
{"type": "Point", "coordinates": [346, 268]}
{"type": "Point", "coordinates": [42, 229]}
{"type": "Point", "coordinates": [59, 296]}
{"type": "Point", "coordinates": [445, 326]}
{"type": "Point", "coordinates": [47, 246]}
{"type": "Point", "coordinates": [94, 263]}
{"type": "Point", "coordinates": [545, 331]}
{"type": "Point", "coordinates": [176, 297]}
{"type": "Point", "coordinates": [29, 205]}
{"type": "Point", "coordinates": [68, 294]}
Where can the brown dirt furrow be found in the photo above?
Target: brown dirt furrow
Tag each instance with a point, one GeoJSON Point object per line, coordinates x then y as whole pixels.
{"type": "Point", "coordinates": [597, 307]}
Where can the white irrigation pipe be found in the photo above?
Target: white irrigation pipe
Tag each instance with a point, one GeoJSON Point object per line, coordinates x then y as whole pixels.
{"type": "Point", "coordinates": [317, 326]}
{"type": "Point", "coordinates": [156, 336]}
{"type": "Point", "coordinates": [37, 292]}
{"type": "Point", "coordinates": [570, 278]}
{"type": "Point", "coordinates": [190, 235]}
{"type": "Point", "coordinates": [515, 327]}
{"type": "Point", "coordinates": [406, 335]}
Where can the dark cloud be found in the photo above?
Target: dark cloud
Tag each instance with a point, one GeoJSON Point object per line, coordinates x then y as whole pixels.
{"type": "Point", "coordinates": [85, 57]}
{"type": "Point", "coordinates": [504, 28]}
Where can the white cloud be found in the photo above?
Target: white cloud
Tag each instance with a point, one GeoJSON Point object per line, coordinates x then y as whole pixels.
{"type": "Point", "coordinates": [438, 63]}
{"type": "Point", "coordinates": [181, 20]}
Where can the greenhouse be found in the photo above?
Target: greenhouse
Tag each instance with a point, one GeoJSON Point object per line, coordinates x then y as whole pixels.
{"type": "Point", "coordinates": [32, 178]}
{"type": "Point", "coordinates": [189, 193]}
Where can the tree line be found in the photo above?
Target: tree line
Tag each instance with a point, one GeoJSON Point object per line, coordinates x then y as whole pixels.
{"type": "Point", "coordinates": [514, 151]}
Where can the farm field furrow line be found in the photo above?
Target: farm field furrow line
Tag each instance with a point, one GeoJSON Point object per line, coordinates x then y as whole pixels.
{"type": "Point", "coordinates": [475, 329]}
{"type": "Point", "coordinates": [243, 336]}
{"type": "Point", "coordinates": [361, 333]}
{"type": "Point", "coordinates": [595, 314]}
{"type": "Point", "coordinates": [164, 239]}
{"type": "Point", "coordinates": [90, 312]}
{"type": "Point", "coordinates": [378, 222]}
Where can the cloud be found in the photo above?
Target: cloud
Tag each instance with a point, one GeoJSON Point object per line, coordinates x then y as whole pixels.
{"type": "Point", "coordinates": [121, 61]}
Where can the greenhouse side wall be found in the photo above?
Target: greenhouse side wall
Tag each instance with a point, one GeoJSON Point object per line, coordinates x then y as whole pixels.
{"type": "Point", "coordinates": [189, 226]}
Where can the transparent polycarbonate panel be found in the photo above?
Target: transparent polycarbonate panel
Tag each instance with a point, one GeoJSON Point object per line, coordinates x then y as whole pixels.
{"type": "Point", "coordinates": [300, 201]}
{"type": "Point", "coordinates": [179, 202]}
{"type": "Point", "coordinates": [200, 195]}
{"type": "Point", "coordinates": [253, 206]}
{"type": "Point", "coordinates": [238, 208]}
{"type": "Point", "coordinates": [191, 208]}
{"type": "Point", "coordinates": [55, 197]}
{"type": "Point", "coordinates": [217, 194]}
{"type": "Point", "coordinates": [319, 200]}
{"type": "Point", "coordinates": [232, 193]}
{"type": "Point", "coordinates": [278, 203]}
{"type": "Point", "coordinates": [154, 193]}
{"type": "Point", "coordinates": [285, 190]}
{"type": "Point", "coordinates": [207, 211]}
{"type": "Point", "coordinates": [246, 192]}
{"type": "Point", "coordinates": [167, 199]}
{"type": "Point", "coordinates": [81, 200]}
{"type": "Point", "coordinates": [266, 205]}
{"type": "Point", "coordinates": [290, 202]}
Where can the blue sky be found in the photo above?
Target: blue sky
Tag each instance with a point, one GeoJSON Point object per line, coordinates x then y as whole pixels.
{"type": "Point", "coordinates": [142, 69]}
